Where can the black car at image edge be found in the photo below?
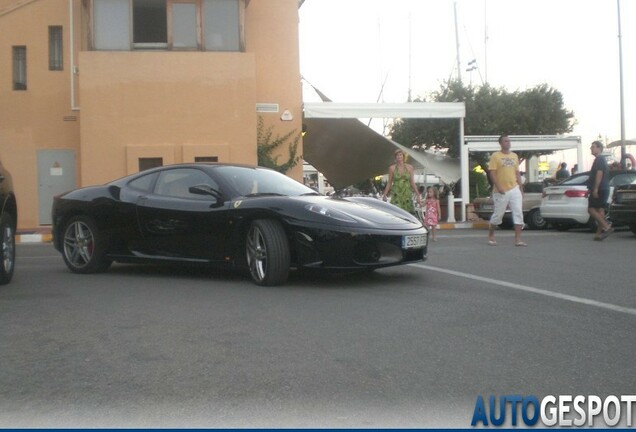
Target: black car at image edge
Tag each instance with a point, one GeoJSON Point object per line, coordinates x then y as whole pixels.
{"type": "Point", "coordinates": [238, 215]}
{"type": "Point", "coordinates": [8, 222]}
{"type": "Point", "coordinates": [623, 207]}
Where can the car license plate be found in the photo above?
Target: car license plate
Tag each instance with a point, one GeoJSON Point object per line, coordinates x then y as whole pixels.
{"type": "Point", "coordinates": [554, 197]}
{"type": "Point", "coordinates": [486, 207]}
{"type": "Point", "coordinates": [413, 241]}
{"type": "Point", "coordinates": [629, 196]}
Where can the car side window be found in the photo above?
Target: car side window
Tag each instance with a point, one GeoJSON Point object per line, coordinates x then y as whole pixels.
{"type": "Point", "coordinates": [622, 179]}
{"type": "Point", "coordinates": [143, 183]}
{"type": "Point", "coordinates": [177, 182]}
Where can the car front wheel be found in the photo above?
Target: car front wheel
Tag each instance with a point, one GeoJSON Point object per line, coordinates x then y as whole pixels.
{"type": "Point", "coordinates": [84, 246]}
{"type": "Point", "coordinates": [267, 252]}
{"type": "Point", "coordinates": [7, 253]}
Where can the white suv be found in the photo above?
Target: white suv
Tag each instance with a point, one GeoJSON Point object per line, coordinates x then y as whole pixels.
{"type": "Point", "coordinates": [564, 205]}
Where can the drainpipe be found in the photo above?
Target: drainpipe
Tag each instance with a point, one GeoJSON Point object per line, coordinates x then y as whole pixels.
{"type": "Point", "coordinates": [72, 54]}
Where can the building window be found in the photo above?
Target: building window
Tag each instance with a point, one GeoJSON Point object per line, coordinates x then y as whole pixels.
{"type": "Point", "coordinates": [147, 163]}
{"type": "Point", "coordinates": [206, 159]}
{"type": "Point", "coordinates": [19, 68]}
{"type": "Point", "coordinates": [110, 25]}
{"type": "Point", "coordinates": [184, 25]}
{"type": "Point", "coordinates": [221, 18]}
{"type": "Point", "coordinates": [209, 25]}
{"type": "Point", "coordinates": [56, 54]}
{"type": "Point", "coordinates": [150, 24]}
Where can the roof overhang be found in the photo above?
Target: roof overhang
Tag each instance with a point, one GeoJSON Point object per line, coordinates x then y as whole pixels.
{"type": "Point", "coordinates": [522, 142]}
{"type": "Point", "coordinates": [385, 110]}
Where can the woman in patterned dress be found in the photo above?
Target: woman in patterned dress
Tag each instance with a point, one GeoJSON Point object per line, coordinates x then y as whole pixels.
{"type": "Point", "coordinates": [401, 184]}
{"type": "Point", "coordinates": [433, 210]}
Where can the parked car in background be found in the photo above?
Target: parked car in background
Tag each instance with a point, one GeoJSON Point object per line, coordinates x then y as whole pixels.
{"type": "Point", "coordinates": [532, 191]}
{"type": "Point", "coordinates": [564, 205]}
{"type": "Point", "coordinates": [623, 207]}
{"type": "Point", "coordinates": [230, 215]}
{"type": "Point", "coordinates": [8, 221]}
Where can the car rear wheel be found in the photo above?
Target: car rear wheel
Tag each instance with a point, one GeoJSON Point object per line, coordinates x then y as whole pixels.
{"type": "Point", "coordinates": [7, 253]}
{"type": "Point", "coordinates": [84, 246]}
{"type": "Point", "coordinates": [535, 221]}
{"type": "Point", "coordinates": [267, 252]}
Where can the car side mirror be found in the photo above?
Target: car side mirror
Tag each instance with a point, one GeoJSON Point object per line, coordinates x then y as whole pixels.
{"type": "Point", "coordinates": [205, 189]}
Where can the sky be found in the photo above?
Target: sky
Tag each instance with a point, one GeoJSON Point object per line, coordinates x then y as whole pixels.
{"type": "Point", "coordinates": [376, 50]}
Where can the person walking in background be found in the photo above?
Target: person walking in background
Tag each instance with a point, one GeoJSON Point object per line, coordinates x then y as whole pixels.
{"type": "Point", "coordinates": [507, 190]}
{"type": "Point", "coordinates": [598, 185]}
{"type": "Point", "coordinates": [563, 173]}
{"type": "Point", "coordinates": [432, 210]}
{"type": "Point", "coordinates": [575, 169]}
{"type": "Point", "coordinates": [401, 184]}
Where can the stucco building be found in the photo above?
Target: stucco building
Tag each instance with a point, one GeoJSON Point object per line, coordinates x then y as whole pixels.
{"type": "Point", "coordinates": [92, 90]}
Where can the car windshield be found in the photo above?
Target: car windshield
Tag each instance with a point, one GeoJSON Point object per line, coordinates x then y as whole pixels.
{"type": "Point", "coordinates": [248, 181]}
{"type": "Point", "coordinates": [533, 187]}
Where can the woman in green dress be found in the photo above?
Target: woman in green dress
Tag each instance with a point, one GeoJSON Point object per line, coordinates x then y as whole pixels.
{"type": "Point", "coordinates": [401, 184]}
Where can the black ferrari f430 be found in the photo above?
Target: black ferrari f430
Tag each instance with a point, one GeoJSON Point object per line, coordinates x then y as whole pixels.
{"type": "Point", "coordinates": [244, 216]}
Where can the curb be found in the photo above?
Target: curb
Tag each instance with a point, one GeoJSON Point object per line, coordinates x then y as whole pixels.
{"type": "Point", "coordinates": [33, 238]}
{"type": "Point", "coordinates": [464, 225]}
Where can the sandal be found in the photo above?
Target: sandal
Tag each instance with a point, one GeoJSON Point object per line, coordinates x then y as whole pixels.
{"type": "Point", "coordinates": [605, 233]}
{"type": "Point", "coordinates": [521, 244]}
{"type": "Point", "coordinates": [492, 242]}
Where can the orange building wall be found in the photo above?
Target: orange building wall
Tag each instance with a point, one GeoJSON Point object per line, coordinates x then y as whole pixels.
{"type": "Point", "coordinates": [271, 33]}
{"type": "Point", "coordinates": [177, 105]}
{"type": "Point", "coordinates": [41, 117]}
{"type": "Point", "coordinates": [164, 104]}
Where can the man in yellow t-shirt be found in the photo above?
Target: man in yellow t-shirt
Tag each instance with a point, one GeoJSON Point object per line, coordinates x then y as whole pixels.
{"type": "Point", "coordinates": [507, 189]}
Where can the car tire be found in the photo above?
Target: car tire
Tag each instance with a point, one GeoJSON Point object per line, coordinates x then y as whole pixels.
{"type": "Point", "coordinates": [535, 221]}
{"type": "Point", "coordinates": [506, 224]}
{"type": "Point", "coordinates": [84, 247]}
{"type": "Point", "coordinates": [267, 252]}
{"type": "Point", "coordinates": [7, 251]}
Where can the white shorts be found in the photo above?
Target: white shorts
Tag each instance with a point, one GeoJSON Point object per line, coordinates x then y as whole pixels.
{"type": "Point", "coordinates": [512, 198]}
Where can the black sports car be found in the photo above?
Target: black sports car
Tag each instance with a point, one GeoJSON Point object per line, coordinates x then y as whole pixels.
{"type": "Point", "coordinates": [8, 221]}
{"type": "Point", "coordinates": [237, 215]}
{"type": "Point", "coordinates": [623, 207]}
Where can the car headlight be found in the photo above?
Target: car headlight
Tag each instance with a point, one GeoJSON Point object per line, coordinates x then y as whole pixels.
{"type": "Point", "coordinates": [331, 213]}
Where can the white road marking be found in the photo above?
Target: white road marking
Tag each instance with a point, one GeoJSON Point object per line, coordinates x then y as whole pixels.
{"type": "Point", "coordinates": [533, 290]}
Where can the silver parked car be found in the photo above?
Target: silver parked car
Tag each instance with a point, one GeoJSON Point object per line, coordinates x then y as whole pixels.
{"type": "Point", "coordinates": [532, 191]}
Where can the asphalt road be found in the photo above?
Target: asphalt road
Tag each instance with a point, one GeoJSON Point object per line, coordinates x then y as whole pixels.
{"type": "Point", "coordinates": [411, 346]}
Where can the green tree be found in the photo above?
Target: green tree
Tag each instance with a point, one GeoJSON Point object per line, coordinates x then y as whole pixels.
{"type": "Point", "coordinates": [489, 111]}
{"type": "Point", "coordinates": [266, 144]}
{"type": "Point", "coordinates": [478, 185]}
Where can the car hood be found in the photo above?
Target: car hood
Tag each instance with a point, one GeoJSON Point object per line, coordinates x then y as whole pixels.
{"type": "Point", "coordinates": [369, 211]}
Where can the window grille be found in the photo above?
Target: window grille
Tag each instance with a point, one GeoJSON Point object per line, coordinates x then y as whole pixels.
{"type": "Point", "coordinates": [19, 68]}
{"type": "Point", "coordinates": [56, 54]}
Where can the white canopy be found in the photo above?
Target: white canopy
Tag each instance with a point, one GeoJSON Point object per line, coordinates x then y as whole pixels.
{"type": "Point", "coordinates": [384, 110]}
{"type": "Point", "coordinates": [346, 151]}
{"type": "Point", "coordinates": [517, 143]}
{"type": "Point", "coordinates": [619, 143]}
